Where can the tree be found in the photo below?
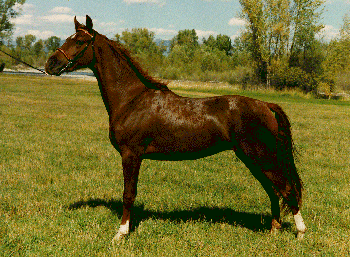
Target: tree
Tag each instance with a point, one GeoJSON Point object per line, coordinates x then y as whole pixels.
{"type": "Point", "coordinates": [141, 43]}
{"type": "Point", "coordinates": [306, 26]}
{"type": "Point", "coordinates": [187, 38]}
{"type": "Point", "coordinates": [210, 42]}
{"type": "Point", "coordinates": [345, 29]}
{"type": "Point", "coordinates": [337, 61]}
{"type": "Point", "coordinates": [52, 43]}
{"type": "Point", "coordinates": [306, 51]}
{"type": "Point", "coordinates": [221, 42]}
{"type": "Point", "coordinates": [224, 43]}
{"type": "Point", "coordinates": [29, 41]}
{"type": "Point", "coordinates": [7, 12]}
{"type": "Point", "coordinates": [140, 40]}
{"type": "Point", "coordinates": [20, 43]}
{"type": "Point", "coordinates": [211, 59]}
{"type": "Point", "coordinates": [283, 31]}
{"type": "Point", "coordinates": [240, 51]}
{"type": "Point", "coordinates": [254, 12]}
{"type": "Point", "coordinates": [38, 48]}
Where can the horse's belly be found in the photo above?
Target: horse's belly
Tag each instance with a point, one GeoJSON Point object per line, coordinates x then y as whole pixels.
{"type": "Point", "coordinates": [176, 153]}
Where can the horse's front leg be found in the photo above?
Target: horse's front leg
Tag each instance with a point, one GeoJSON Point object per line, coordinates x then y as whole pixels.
{"type": "Point", "coordinates": [131, 166]}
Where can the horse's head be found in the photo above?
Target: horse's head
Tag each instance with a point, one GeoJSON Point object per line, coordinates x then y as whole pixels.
{"type": "Point", "coordinates": [77, 52]}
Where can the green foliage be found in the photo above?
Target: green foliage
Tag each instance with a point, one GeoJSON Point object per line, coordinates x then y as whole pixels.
{"type": "Point", "coordinates": [186, 38]}
{"type": "Point", "coordinates": [188, 59]}
{"type": "Point", "coordinates": [284, 30]}
{"type": "Point", "coordinates": [254, 12]}
{"type": "Point", "coordinates": [240, 51]}
{"type": "Point", "coordinates": [345, 29]}
{"type": "Point", "coordinates": [19, 43]}
{"type": "Point", "coordinates": [336, 64]}
{"type": "Point", "coordinates": [306, 20]}
{"type": "Point", "coordinates": [52, 43]}
{"type": "Point", "coordinates": [284, 77]}
{"type": "Point", "coordinates": [30, 50]}
{"type": "Point", "coordinates": [38, 48]}
{"type": "Point", "coordinates": [222, 43]}
{"type": "Point", "coordinates": [29, 42]}
{"type": "Point", "coordinates": [141, 43]}
{"type": "Point", "coordinates": [211, 59]}
{"type": "Point", "coordinates": [7, 12]}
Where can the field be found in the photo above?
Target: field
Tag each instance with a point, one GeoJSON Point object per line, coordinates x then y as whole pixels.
{"type": "Point", "coordinates": [61, 181]}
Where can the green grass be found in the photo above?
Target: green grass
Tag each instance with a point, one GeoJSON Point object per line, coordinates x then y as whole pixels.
{"type": "Point", "coordinates": [61, 182]}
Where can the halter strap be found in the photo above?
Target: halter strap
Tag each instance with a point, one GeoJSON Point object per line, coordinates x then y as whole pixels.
{"type": "Point", "coordinates": [64, 53]}
{"type": "Point", "coordinates": [86, 32]}
{"type": "Point", "coordinates": [72, 61]}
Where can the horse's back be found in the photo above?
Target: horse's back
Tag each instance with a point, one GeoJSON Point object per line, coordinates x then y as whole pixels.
{"type": "Point", "coordinates": [189, 128]}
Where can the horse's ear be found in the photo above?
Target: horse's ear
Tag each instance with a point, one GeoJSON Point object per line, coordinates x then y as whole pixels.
{"type": "Point", "coordinates": [76, 22]}
{"type": "Point", "coordinates": [89, 24]}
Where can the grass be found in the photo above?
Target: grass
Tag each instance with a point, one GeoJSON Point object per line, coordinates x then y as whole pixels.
{"type": "Point", "coordinates": [61, 182]}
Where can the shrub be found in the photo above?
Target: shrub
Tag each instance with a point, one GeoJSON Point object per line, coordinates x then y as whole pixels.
{"type": "Point", "coordinates": [283, 77]}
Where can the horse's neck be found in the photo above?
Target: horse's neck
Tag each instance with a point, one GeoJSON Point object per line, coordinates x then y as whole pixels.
{"type": "Point", "coordinates": [118, 84]}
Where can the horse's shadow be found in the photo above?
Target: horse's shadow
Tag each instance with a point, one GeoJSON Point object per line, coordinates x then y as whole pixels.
{"type": "Point", "coordinates": [251, 221]}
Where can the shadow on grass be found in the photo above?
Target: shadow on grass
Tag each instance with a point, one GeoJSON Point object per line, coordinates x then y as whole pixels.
{"type": "Point", "coordinates": [252, 221]}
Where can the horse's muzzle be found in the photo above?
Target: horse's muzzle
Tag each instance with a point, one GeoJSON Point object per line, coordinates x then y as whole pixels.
{"type": "Point", "coordinates": [54, 65]}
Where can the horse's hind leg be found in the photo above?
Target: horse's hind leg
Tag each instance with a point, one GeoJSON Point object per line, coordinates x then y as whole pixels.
{"type": "Point", "coordinates": [285, 188]}
{"type": "Point", "coordinates": [243, 155]}
{"type": "Point", "coordinates": [264, 166]}
{"type": "Point", "coordinates": [273, 195]}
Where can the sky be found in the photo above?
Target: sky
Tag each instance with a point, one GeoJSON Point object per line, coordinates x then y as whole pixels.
{"type": "Point", "coordinates": [164, 17]}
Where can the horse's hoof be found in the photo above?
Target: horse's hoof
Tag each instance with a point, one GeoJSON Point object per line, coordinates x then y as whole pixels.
{"type": "Point", "coordinates": [300, 235]}
{"type": "Point", "coordinates": [275, 226]}
{"type": "Point", "coordinates": [274, 231]}
{"type": "Point", "coordinates": [122, 232]}
{"type": "Point", "coordinates": [118, 238]}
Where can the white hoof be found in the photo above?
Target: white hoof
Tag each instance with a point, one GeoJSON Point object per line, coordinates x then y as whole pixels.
{"type": "Point", "coordinates": [300, 235]}
{"type": "Point", "coordinates": [118, 238]}
{"type": "Point", "coordinates": [122, 232]}
{"type": "Point", "coordinates": [301, 228]}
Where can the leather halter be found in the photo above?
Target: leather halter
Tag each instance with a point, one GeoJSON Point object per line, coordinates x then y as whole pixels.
{"type": "Point", "coordinates": [72, 61]}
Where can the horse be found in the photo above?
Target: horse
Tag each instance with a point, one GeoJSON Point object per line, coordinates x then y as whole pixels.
{"type": "Point", "coordinates": [149, 121]}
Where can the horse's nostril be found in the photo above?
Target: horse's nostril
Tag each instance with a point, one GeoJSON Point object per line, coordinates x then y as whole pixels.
{"type": "Point", "coordinates": [52, 65]}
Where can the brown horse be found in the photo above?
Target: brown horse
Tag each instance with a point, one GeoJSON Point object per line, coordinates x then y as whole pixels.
{"type": "Point", "coordinates": [149, 121]}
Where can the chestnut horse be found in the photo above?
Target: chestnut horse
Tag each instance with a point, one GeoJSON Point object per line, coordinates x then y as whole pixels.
{"type": "Point", "coordinates": [149, 121]}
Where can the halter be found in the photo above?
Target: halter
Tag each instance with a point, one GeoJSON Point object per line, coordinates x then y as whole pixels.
{"type": "Point", "coordinates": [72, 61]}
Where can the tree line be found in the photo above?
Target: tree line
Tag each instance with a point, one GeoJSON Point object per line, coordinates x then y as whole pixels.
{"type": "Point", "coordinates": [280, 47]}
{"type": "Point", "coordinates": [30, 50]}
{"type": "Point", "coordinates": [282, 56]}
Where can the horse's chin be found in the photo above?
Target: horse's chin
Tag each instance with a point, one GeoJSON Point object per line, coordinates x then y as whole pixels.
{"type": "Point", "coordinates": [53, 72]}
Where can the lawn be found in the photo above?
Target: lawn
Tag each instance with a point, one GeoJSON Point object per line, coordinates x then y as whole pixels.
{"type": "Point", "coordinates": [61, 181]}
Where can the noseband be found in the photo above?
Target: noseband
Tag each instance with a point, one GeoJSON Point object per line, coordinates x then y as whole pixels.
{"type": "Point", "coordinates": [72, 61]}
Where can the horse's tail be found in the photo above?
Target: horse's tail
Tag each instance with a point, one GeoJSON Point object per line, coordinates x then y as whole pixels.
{"type": "Point", "coordinates": [285, 158]}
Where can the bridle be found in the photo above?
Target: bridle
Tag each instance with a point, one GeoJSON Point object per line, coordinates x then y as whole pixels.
{"type": "Point", "coordinates": [72, 61]}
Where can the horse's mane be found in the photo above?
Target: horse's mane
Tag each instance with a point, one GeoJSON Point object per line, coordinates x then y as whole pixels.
{"type": "Point", "coordinates": [124, 54]}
